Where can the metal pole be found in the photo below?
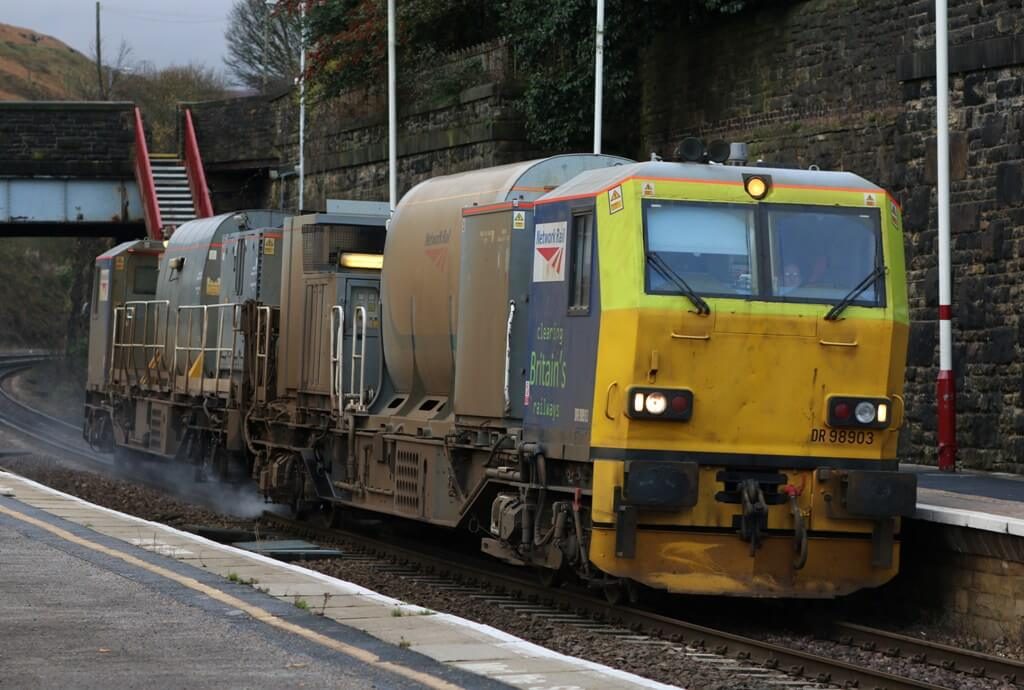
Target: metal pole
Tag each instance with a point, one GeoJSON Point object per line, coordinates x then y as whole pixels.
{"type": "Point", "coordinates": [302, 108]}
{"type": "Point", "coordinates": [266, 40]}
{"type": "Point", "coordinates": [392, 113]}
{"type": "Point", "coordinates": [598, 75]}
{"type": "Point", "coordinates": [99, 57]}
{"type": "Point", "coordinates": [946, 384]}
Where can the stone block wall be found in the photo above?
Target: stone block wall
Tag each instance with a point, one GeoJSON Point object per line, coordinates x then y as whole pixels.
{"type": "Point", "coordinates": [67, 138]}
{"type": "Point", "coordinates": [250, 145]}
{"type": "Point", "coordinates": [853, 89]}
{"type": "Point", "coordinates": [971, 580]}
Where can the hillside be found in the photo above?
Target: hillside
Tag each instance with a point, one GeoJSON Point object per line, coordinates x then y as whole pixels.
{"type": "Point", "coordinates": [37, 67]}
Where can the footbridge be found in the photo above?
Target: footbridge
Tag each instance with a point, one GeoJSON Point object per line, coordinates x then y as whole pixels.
{"type": "Point", "coordinates": [85, 169]}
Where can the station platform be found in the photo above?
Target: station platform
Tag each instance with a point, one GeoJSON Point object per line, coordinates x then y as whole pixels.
{"type": "Point", "coordinates": [94, 598]}
{"type": "Point", "coordinates": [987, 501]}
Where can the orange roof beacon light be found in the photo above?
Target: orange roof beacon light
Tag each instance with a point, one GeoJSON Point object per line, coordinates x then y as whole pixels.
{"type": "Point", "coordinates": [757, 186]}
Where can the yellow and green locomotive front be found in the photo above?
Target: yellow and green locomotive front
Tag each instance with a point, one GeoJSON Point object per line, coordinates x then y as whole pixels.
{"type": "Point", "coordinates": [748, 369]}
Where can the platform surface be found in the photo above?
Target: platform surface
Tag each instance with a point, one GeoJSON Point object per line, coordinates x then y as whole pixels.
{"type": "Point", "coordinates": [97, 598]}
{"type": "Point", "coordinates": [987, 501]}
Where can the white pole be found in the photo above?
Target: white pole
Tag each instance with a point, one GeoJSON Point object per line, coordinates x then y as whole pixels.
{"type": "Point", "coordinates": [598, 75]}
{"type": "Point", "coordinates": [302, 108]}
{"type": "Point", "coordinates": [392, 113]}
{"type": "Point", "coordinates": [945, 388]}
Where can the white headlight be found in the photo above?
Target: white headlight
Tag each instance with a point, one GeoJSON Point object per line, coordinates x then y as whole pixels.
{"type": "Point", "coordinates": [864, 412]}
{"type": "Point", "coordinates": [883, 413]}
{"type": "Point", "coordinates": [655, 403]}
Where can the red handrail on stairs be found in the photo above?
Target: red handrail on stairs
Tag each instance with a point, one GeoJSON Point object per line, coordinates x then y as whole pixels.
{"type": "Point", "coordinates": [194, 170]}
{"type": "Point", "coordinates": [144, 177]}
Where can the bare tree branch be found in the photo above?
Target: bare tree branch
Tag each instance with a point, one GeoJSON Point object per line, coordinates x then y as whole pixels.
{"type": "Point", "coordinates": [263, 44]}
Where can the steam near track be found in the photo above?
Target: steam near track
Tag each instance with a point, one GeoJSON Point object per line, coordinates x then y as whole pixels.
{"type": "Point", "coordinates": [45, 432]}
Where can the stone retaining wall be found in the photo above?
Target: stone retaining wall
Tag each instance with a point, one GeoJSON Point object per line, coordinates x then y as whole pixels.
{"type": "Point", "coordinates": [972, 580]}
{"type": "Point", "coordinates": [853, 89]}
{"type": "Point", "coordinates": [62, 138]}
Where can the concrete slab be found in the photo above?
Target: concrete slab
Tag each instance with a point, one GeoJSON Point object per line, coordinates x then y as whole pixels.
{"type": "Point", "coordinates": [558, 680]}
{"type": "Point", "coordinates": [419, 630]}
{"type": "Point", "coordinates": [111, 631]}
{"type": "Point", "coordinates": [303, 587]}
{"type": "Point", "coordinates": [514, 666]}
{"type": "Point", "coordinates": [344, 614]}
{"type": "Point", "coordinates": [474, 651]}
{"type": "Point", "coordinates": [446, 639]}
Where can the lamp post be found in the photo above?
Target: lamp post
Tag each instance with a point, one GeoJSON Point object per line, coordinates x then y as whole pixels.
{"type": "Point", "coordinates": [598, 75]}
{"type": "Point", "coordinates": [392, 113]}
{"type": "Point", "coordinates": [302, 107]}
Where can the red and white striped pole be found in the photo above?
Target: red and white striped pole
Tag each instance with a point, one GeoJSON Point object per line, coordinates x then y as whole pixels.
{"type": "Point", "coordinates": [946, 384]}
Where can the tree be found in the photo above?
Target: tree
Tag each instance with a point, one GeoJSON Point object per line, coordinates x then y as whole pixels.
{"type": "Point", "coordinates": [263, 44]}
{"type": "Point", "coordinates": [552, 43]}
{"type": "Point", "coordinates": [158, 93]}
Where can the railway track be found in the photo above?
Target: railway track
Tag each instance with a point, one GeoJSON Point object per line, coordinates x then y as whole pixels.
{"type": "Point", "coordinates": [773, 665]}
{"type": "Point", "coordinates": [64, 441]}
{"type": "Point", "coordinates": [924, 651]}
{"type": "Point", "coordinates": [43, 429]}
{"type": "Point", "coordinates": [769, 664]}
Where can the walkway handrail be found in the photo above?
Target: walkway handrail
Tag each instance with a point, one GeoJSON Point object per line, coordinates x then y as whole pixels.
{"type": "Point", "coordinates": [144, 176]}
{"type": "Point", "coordinates": [194, 170]}
{"type": "Point", "coordinates": [195, 354]}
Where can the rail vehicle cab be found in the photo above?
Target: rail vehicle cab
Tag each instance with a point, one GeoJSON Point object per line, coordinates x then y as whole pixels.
{"type": "Point", "coordinates": [329, 348]}
{"type": "Point", "coordinates": [126, 273]}
{"type": "Point", "coordinates": [728, 344]}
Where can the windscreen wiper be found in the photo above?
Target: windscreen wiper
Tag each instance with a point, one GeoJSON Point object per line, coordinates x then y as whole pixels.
{"type": "Point", "coordinates": [853, 294]}
{"type": "Point", "coordinates": [661, 266]}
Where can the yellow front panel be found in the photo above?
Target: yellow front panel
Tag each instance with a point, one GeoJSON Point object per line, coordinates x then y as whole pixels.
{"type": "Point", "coordinates": [760, 373]}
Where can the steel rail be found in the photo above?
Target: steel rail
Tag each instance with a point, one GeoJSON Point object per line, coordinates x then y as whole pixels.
{"type": "Point", "coordinates": [934, 653]}
{"type": "Point", "coordinates": [51, 433]}
{"type": "Point", "coordinates": [24, 421]}
{"type": "Point", "coordinates": [769, 655]}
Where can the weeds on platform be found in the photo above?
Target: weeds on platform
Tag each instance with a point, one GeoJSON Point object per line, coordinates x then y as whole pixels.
{"type": "Point", "coordinates": [301, 604]}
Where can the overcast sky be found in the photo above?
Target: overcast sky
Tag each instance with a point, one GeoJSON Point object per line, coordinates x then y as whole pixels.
{"type": "Point", "coordinates": [164, 32]}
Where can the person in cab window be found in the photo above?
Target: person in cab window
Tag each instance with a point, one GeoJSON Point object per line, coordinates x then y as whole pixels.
{"type": "Point", "coordinates": [790, 278]}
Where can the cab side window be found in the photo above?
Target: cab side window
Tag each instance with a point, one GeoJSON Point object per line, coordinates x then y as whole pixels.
{"type": "Point", "coordinates": [582, 247]}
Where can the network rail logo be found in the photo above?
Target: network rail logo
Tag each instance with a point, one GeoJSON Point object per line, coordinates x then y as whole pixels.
{"type": "Point", "coordinates": [549, 252]}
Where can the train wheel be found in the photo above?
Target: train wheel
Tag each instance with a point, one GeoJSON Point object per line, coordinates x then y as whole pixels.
{"type": "Point", "coordinates": [549, 577]}
{"type": "Point", "coordinates": [623, 591]}
{"type": "Point", "coordinates": [328, 515]}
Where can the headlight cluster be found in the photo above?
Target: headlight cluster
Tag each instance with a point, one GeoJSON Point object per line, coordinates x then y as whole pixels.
{"type": "Point", "coordinates": [871, 413]}
{"type": "Point", "coordinates": [660, 403]}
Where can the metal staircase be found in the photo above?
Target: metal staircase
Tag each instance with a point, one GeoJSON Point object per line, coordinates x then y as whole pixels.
{"type": "Point", "coordinates": [173, 189]}
{"type": "Point", "coordinates": [173, 195]}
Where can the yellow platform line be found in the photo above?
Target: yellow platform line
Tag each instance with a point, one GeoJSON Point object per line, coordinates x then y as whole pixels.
{"type": "Point", "coordinates": [255, 611]}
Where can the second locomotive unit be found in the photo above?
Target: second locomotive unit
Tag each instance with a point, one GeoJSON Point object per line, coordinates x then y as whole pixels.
{"type": "Point", "coordinates": [682, 375]}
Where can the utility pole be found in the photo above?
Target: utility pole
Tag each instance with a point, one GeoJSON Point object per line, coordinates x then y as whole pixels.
{"type": "Point", "coordinates": [392, 113]}
{"type": "Point", "coordinates": [946, 384]}
{"type": "Point", "coordinates": [598, 75]}
{"type": "Point", "coordinates": [302, 110]}
{"type": "Point", "coordinates": [266, 40]}
{"type": "Point", "coordinates": [99, 56]}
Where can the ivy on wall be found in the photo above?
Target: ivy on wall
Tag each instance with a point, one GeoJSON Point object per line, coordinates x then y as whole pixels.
{"type": "Point", "coordinates": [551, 43]}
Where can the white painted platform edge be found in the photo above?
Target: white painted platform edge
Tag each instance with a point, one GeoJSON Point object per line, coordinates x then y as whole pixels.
{"type": "Point", "coordinates": [505, 639]}
{"type": "Point", "coordinates": [970, 518]}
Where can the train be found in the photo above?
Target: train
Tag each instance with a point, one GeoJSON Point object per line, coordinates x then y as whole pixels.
{"type": "Point", "coordinates": [679, 375]}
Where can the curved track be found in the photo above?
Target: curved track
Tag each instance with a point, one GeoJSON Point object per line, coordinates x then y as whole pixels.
{"type": "Point", "coordinates": [50, 432]}
{"type": "Point", "coordinates": [64, 441]}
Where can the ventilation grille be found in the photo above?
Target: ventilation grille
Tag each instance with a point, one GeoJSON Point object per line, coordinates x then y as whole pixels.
{"type": "Point", "coordinates": [407, 481]}
{"type": "Point", "coordinates": [323, 244]}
